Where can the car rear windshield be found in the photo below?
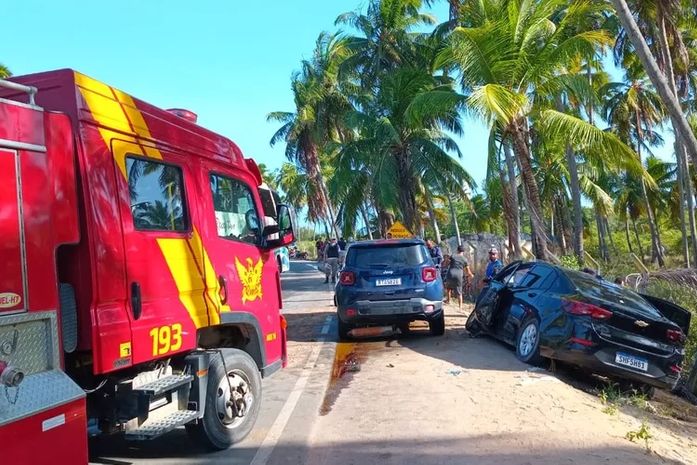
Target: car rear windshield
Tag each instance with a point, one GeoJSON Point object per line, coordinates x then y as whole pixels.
{"type": "Point", "coordinates": [604, 290]}
{"type": "Point", "coordinates": [383, 255]}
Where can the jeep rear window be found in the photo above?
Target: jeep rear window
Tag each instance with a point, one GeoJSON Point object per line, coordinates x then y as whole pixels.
{"type": "Point", "coordinates": [383, 256]}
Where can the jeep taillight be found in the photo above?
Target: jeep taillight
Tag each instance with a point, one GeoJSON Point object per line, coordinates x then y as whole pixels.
{"type": "Point", "coordinates": [347, 278]}
{"type": "Point", "coordinates": [429, 274]}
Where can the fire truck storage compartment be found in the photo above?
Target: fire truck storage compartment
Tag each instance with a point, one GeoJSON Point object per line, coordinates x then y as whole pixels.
{"type": "Point", "coordinates": [13, 274]}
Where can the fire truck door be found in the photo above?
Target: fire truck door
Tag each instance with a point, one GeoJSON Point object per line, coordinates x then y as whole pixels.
{"type": "Point", "coordinates": [247, 275]}
{"type": "Point", "coordinates": [163, 252]}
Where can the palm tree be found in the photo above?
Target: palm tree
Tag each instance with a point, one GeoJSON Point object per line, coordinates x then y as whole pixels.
{"type": "Point", "coordinates": [658, 78]}
{"type": "Point", "coordinates": [4, 71]}
{"type": "Point", "coordinates": [510, 54]}
{"type": "Point", "coordinates": [405, 144]}
{"type": "Point", "coordinates": [320, 105]}
{"type": "Point", "coordinates": [661, 23]}
{"type": "Point", "coordinates": [634, 112]}
{"type": "Point", "coordinates": [385, 40]}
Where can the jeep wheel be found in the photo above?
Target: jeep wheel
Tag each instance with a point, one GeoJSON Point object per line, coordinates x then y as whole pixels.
{"type": "Point", "coordinates": [343, 330]}
{"type": "Point", "coordinates": [437, 325]}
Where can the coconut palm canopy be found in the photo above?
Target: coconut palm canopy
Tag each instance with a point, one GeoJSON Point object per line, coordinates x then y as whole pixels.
{"type": "Point", "coordinates": [381, 110]}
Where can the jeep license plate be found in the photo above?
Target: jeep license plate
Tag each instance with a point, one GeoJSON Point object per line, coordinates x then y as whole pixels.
{"type": "Point", "coordinates": [389, 282]}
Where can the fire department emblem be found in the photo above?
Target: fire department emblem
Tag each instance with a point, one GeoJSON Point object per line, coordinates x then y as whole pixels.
{"type": "Point", "coordinates": [250, 276]}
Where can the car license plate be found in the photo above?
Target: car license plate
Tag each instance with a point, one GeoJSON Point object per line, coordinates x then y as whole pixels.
{"type": "Point", "coordinates": [389, 282]}
{"type": "Point", "coordinates": [632, 361]}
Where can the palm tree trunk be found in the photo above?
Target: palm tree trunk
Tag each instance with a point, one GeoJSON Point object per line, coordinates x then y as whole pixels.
{"type": "Point", "coordinates": [576, 203]}
{"type": "Point", "coordinates": [606, 225]}
{"type": "Point", "coordinates": [509, 210]}
{"type": "Point", "coordinates": [656, 246]}
{"type": "Point", "coordinates": [532, 193]}
{"type": "Point", "coordinates": [638, 240]}
{"type": "Point", "coordinates": [514, 232]}
{"type": "Point", "coordinates": [602, 246]}
{"type": "Point", "coordinates": [407, 195]}
{"type": "Point", "coordinates": [670, 75]}
{"type": "Point", "coordinates": [657, 77]}
{"type": "Point", "coordinates": [330, 208]}
{"type": "Point", "coordinates": [366, 221]}
{"type": "Point", "coordinates": [432, 214]}
{"type": "Point", "coordinates": [626, 231]}
{"type": "Point", "coordinates": [454, 218]}
{"type": "Point", "coordinates": [690, 203]}
{"type": "Point", "coordinates": [681, 194]}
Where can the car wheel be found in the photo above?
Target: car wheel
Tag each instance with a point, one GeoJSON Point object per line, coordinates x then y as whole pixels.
{"type": "Point", "coordinates": [472, 325]}
{"type": "Point", "coordinates": [220, 428]}
{"type": "Point", "coordinates": [437, 325]}
{"type": "Point", "coordinates": [527, 347]}
{"type": "Point", "coordinates": [343, 330]}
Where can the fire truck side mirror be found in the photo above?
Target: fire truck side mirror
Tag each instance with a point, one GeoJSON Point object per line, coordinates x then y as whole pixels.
{"type": "Point", "coordinates": [286, 224]}
{"type": "Point", "coordinates": [284, 229]}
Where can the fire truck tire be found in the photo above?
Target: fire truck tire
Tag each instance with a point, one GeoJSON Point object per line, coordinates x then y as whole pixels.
{"type": "Point", "coordinates": [219, 428]}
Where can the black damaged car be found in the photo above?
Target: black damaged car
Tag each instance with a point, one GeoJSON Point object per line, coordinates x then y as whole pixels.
{"type": "Point", "coordinates": [557, 313]}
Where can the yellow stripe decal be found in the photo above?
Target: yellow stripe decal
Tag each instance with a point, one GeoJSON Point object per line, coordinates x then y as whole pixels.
{"type": "Point", "coordinates": [118, 118]}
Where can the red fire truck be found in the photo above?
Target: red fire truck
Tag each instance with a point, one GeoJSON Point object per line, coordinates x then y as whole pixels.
{"type": "Point", "coordinates": [138, 288]}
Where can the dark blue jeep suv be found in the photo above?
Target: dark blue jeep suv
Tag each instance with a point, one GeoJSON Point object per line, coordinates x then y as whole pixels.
{"type": "Point", "coordinates": [389, 282]}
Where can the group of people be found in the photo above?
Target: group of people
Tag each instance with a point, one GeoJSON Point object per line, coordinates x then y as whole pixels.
{"type": "Point", "coordinates": [455, 270]}
{"type": "Point", "coordinates": [331, 253]}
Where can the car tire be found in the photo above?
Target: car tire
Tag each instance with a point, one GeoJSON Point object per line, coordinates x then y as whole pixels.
{"type": "Point", "coordinates": [343, 330]}
{"type": "Point", "coordinates": [472, 325]}
{"type": "Point", "coordinates": [437, 325]}
{"type": "Point", "coordinates": [527, 346]}
{"type": "Point", "coordinates": [216, 430]}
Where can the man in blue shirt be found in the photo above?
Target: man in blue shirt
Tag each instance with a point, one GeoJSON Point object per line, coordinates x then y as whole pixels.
{"type": "Point", "coordinates": [494, 265]}
{"type": "Point", "coordinates": [435, 252]}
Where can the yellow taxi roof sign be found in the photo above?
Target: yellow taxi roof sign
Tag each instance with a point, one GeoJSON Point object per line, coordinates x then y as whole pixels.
{"type": "Point", "coordinates": [398, 231]}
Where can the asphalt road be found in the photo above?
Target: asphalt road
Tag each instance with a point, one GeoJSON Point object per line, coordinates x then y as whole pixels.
{"type": "Point", "coordinates": [292, 397]}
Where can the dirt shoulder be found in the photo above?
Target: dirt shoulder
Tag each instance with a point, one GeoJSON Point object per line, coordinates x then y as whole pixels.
{"type": "Point", "coordinates": [424, 400]}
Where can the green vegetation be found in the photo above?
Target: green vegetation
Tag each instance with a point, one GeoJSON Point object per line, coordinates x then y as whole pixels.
{"type": "Point", "coordinates": [642, 434]}
{"type": "Point", "coordinates": [570, 161]}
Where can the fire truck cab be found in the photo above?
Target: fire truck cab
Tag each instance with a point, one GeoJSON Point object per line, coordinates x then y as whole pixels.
{"type": "Point", "coordinates": [139, 291]}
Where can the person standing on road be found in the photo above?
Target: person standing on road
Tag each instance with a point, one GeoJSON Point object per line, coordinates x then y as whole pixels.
{"type": "Point", "coordinates": [494, 265]}
{"type": "Point", "coordinates": [342, 243]}
{"type": "Point", "coordinates": [331, 260]}
{"type": "Point", "coordinates": [319, 245]}
{"type": "Point", "coordinates": [435, 252]}
{"type": "Point", "coordinates": [458, 269]}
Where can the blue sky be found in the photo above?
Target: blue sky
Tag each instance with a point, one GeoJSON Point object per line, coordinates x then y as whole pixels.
{"type": "Point", "coordinates": [228, 61]}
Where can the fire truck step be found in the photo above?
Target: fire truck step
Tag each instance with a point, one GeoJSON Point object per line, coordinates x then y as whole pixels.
{"type": "Point", "coordinates": [151, 430]}
{"type": "Point", "coordinates": [163, 385]}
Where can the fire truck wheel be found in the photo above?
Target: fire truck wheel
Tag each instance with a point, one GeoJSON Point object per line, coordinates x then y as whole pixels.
{"type": "Point", "coordinates": [232, 402]}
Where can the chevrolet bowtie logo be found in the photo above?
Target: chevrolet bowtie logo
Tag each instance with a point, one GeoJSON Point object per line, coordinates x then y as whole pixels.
{"type": "Point", "coordinates": [641, 324]}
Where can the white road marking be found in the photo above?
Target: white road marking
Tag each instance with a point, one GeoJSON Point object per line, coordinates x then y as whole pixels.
{"type": "Point", "coordinates": [274, 434]}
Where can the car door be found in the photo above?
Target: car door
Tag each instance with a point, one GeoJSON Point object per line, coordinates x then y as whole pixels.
{"type": "Point", "coordinates": [526, 295]}
{"type": "Point", "coordinates": [248, 281]}
{"type": "Point", "coordinates": [488, 301]}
